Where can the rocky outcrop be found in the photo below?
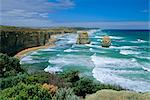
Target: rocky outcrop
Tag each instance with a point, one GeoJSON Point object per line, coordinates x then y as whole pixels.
{"type": "Point", "coordinates": [83, 38]}
{"type": "Point", "coordinates": [106, 41]}
{"type": "Point", "coordinates": [12, 42]}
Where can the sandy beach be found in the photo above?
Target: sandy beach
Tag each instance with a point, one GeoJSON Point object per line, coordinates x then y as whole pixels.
{"type": "Point", "coordinates": [50, 44]}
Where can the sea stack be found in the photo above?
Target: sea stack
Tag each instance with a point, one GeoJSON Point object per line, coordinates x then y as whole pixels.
{"type": "Point", "coordinates": [106, 41]}
{"type": "Point", "coordinates": [83, 38]}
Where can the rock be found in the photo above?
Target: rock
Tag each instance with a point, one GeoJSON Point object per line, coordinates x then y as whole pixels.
{"type": "Point", "coordinates": [12, 42]}
{"type": "Point", "coordinates": [106, 41]}
{"type": "Point", "coordinates": [83, 38]}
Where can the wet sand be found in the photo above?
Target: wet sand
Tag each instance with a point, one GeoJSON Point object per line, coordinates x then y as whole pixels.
{"type": "Point", "coordinates": [50, 44]}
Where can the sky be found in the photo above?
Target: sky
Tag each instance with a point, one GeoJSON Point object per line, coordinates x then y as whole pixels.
{"type": "Point", "coordinates": [105, 14]}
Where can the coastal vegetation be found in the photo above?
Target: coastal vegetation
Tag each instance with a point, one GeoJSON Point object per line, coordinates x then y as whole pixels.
{"type": "Point", "coordinates": [118, 95]}
{"type": "Point", "coordinates": [16, 83]}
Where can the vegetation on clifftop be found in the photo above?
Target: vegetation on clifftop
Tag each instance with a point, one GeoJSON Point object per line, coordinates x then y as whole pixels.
{"type": "Point", "coordinates": [18, 84]}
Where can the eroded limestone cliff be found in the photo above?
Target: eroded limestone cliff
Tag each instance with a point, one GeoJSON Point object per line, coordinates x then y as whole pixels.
{"type": "Point", "coordinates": [12, 42]}
{"type": "Point", "coordinates": [15, 39]}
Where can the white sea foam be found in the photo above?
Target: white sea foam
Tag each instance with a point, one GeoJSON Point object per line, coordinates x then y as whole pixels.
{"type": "Point", "coordinates": [34, 53]}
{"type": "Point", "coordinates": [71, 50]}
{"type": "Point", "coordinates": [76, 60]}
{"type": "Point", "coordinates": [112, 37]}
{"type": "Point", "coordinates": [143, 57]}
{"type": "Point", "coordinates": [26, 59]}
{"type": "Point", "coordinates": [94, 46]}
{"type": "Point", "coordinates": [107, 77]}
{"type": "Point", "coordinates": [90, 32]}
{"type": "Point", "coordinates": [123, 47]}
{"type": "Point", "coordinates": [146, 69]}
{"type": "Point", "coordinates": [29, 59]}
{"type": "Point", "coordinates": [53, 69]}
{"type": "Point", "coordinates": [97, 51]}
{"type": "Point", "coordinates": [91, 49]}
{"type": "Point", "coordinates": [133, 60]}
{"type": "Point", "coordinates": [139, 41]}
{"type": "Point", "coordinates": [103, 73]}
{"type": "Point", "coordinates": [99, 40]}
{"type": "Point", "coordinates": [127, 52]}
{"type": "Point", "coordinates": [146, 66]}
{"type": "Point", "coordinates": [72, 39]}
{"type": "Point", "coordinates": [49, 49]}
{"type": "Point", "coordinates": [95, 43]}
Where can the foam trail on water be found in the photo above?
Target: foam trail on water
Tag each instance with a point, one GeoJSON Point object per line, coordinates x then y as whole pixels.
{"type": "Point", "coordinates": [127, 52]}
{"type": "Point", "coordinates": [143, 57]}
{"type": "Point", "coordinates": [71, 50]}
{"type": "Point", "coordinates": [53, 69]}
{"type": "Point", "coordinates": [75, 60]}
{"type": "Point", "coordinates": [139, 41]}
{"type": "Point", "coordinates": [123, 47]}
{"type": "Point", "coordinates": [90, 32]}
{"type": "Point", "coordinates": [112, 37]}
{"type": "Point", "coordinates": [26, 59]}
{"type": "Point", "coordinates": [103, 73]}
{"type": "Point", "coordinates": [146, 66]}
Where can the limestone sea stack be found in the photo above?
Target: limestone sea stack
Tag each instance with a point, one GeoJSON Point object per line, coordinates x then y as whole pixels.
{"type": "Point", "coordinates": [106, 41]}
{"type": "Point", "coordinates": [83, 38]}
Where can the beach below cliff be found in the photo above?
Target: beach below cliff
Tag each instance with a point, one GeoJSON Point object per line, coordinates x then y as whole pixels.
{"type": "Point", "coordinates": [50, 44]}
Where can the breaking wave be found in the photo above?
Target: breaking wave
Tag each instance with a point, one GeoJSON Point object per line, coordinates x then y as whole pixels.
{"type": "Point", "coordinates": [104, 73]}
{"type": "Point", "coordinates": [127, 52]}
{"type": "Point", "coordinates": [53, 69]}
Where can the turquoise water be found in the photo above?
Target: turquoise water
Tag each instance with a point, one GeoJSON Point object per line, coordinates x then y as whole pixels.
{"type": "Point", "coordinates": [125, 63]}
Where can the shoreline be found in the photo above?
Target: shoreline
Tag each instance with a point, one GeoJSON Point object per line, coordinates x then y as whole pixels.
{"type": "Point", "coordinates": [50, 44]}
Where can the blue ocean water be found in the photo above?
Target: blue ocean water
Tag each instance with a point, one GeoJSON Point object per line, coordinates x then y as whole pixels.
{"type": "Point", "coordinates": [125, 63]}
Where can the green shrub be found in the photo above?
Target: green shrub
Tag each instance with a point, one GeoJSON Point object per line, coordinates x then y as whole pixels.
{"type": "Point", "coordinates": [23, 92]}
{"type": "Point", "coordinates": [84, 86]}
{"type": "Point", "coordinates": [47, 78]}
{"type": "Point", "coordinates": [88, 86]}
{"type": "Point", "coordinates": [70, 76]}
{"type": "Point", "coordinates": [40, 78]}
{"type": "Point", "coordinates": [65, 94]}
{"type": "Point", "coordinates": [13, 80]}
{"type": "Point", "coordinates": [9, 66]}
{"type": "Point", "coordinates": [100, 86]}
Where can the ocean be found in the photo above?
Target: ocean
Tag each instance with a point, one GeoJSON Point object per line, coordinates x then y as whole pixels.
{"type": "Point", "coordinates": [125, 63]}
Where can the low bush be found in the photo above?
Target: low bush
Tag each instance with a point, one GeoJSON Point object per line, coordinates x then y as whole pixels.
{"type": "Point", "coordinates": [65, 94]}
{"type": "Point", "coordinates": [9, 66]}
{"type": "Point", "coordinates": [23, 92]}
{"type": "Point", "coordinates": [44, 77]}
{"type": "Point", "coordinates": [12, 80]}
{"type": "Point", "coordinates": [70, 76]}
{"type": "Point", "coordinates": [40, 78]}
{"type": "Point", "coordinates": [51, 88]}
{"type": "Point", "coordinates": [88, 86]}
{"type": "Point", "coordinates": [84, 86]}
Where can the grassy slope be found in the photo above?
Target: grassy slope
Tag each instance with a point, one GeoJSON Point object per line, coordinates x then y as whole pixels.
{"type": "Point", "coordinates": [118, 95]}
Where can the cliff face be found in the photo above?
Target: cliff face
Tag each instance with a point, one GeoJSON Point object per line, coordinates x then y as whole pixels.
{"type": "Point", "coordinates": [11, 42]}
{"type": "Point", "coordinates": [14, 39]}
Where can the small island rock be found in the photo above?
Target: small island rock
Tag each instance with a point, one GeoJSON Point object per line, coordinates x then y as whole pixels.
{"type": "Point", "coordinates": [106, 41]}
{"type": "Point", "coordinates": [83, 38]}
